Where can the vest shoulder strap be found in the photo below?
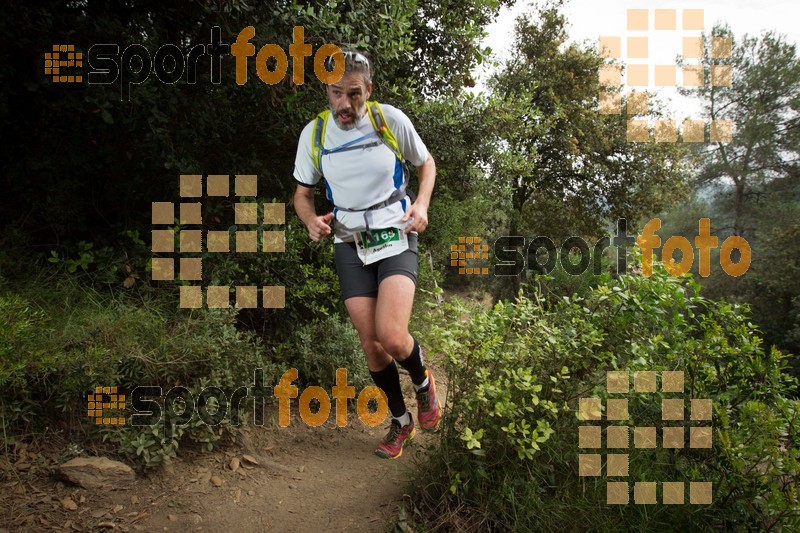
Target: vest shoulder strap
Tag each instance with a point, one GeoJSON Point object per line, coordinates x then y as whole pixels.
{"type": "Point", "coordinates": [376, 118]}
{"type": "Point", "coordinates": [379, 123]}
{"type": "Point", "coordinates": [318, 137]}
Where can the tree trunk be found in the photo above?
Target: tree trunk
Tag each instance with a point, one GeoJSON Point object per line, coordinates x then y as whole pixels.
{"type": "Point", "coordinates": [738, 208]}
{"type": "Point", "coordinates": [509, 286]}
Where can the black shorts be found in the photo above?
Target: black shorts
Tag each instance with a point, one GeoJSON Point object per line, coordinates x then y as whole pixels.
{"type": "Point", "coordinates": [359, 280]}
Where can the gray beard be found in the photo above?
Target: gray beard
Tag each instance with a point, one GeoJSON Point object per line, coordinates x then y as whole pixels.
{"type": "Point", "coordinates": [352, 125]}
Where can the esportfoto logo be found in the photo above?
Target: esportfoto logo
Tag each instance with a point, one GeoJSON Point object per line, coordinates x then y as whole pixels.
{"type": "Point", "coordinates": [511, 252]}
{"type": "Point", "coordinates": [135, 64]}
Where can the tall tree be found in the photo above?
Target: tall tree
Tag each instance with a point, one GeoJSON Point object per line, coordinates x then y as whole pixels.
{"type": "Point", "coordinates": [755, 84]}
{"type": "Point", "coordinates": [575, 168]}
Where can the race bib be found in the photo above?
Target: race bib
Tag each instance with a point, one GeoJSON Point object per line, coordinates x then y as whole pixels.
{"type": "Point", "coordinates": [384, 242]}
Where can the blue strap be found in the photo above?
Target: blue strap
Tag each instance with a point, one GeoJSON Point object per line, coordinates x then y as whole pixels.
{"type": "Point", "coordinates": [350, 143]}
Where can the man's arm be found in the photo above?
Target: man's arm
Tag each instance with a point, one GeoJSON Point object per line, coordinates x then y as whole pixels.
{"type": "Point", "coordinates": [318, 226]}
{"type": "Point", "coordinates": [419, 209]}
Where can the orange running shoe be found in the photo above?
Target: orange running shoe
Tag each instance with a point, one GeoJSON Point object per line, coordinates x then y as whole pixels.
{"type": "Point", "coordinates": [391, 447]}
{"type": "Point", "coordinates": [428, 412]}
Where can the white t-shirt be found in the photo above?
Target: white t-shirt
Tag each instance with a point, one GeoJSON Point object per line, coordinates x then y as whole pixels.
{"type": "Point", "coordinates": [361, 177]}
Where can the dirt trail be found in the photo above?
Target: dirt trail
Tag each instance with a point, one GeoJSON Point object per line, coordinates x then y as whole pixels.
{"type": "Point", "coordinates": [307, 479]}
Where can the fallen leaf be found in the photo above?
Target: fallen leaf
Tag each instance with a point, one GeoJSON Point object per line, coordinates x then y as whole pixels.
{"type": "Point", "coordinates": [234, 464]}
{"type": "Point", "coordinates": [250, 459]}
{"type": "Point", "coordinates": [69, 504]}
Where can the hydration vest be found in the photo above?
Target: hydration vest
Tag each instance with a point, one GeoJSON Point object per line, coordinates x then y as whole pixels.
{"type": "Point", "coordinates": [385, 136]}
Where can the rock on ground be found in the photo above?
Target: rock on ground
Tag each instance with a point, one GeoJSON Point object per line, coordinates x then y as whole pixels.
{"type": "Point", "coordinates": [97, 472]}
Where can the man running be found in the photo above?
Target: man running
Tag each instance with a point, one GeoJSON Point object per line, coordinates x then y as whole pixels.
{"type": "Point", "coordinates": [375, 225]}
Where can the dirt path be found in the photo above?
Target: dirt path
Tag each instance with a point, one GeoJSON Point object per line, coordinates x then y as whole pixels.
{"type": "Point", "coordinates": [307, 479]}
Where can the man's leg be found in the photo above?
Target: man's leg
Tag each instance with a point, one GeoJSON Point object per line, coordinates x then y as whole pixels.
{"type": "Point", "coordinates": [380, 364]}
{"type": "Point", "coordinates": [393, 312]}
{"type": "Point", "coordinates": [362, 313]}
{"type": "Point", "coordinates": [384, 373]}
{"type": "Point", "coordinates": [395, 300]}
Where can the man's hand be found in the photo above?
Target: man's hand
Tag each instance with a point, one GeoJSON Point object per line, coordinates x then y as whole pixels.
{"type": "Point", "coordinates": [419, 214]}
{"type": "Point", "coordinates": [319, 227]}
{"type": "Point", "coordinates": [419, 209]}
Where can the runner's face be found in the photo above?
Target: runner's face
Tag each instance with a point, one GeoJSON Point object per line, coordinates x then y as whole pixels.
{"type": "Point", "coordinates": [348, 99]}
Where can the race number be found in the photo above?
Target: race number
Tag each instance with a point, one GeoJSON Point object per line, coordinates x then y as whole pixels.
{"type": "Point", "coordinates": [384, 242]}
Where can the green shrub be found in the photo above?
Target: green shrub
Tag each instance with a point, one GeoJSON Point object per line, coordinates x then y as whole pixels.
{"type": "Point", "coordinates": [559, 283]}
{"type": "Point", "coordinates": [58, 343]}
{"type": "Point", "coordinates": [318, 349]}
{"type": "Point", "coordinates": [508, 453]}
{"type": "Point", "coordinates": [19, 323]}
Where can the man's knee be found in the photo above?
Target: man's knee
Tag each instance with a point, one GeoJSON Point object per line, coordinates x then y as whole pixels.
{"type": "Point", "coordinates": [394, 341]}
{"type": "Point", "coordinates": [372, 348]}
{"type": "Point", "coordinates": [377, 358]}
